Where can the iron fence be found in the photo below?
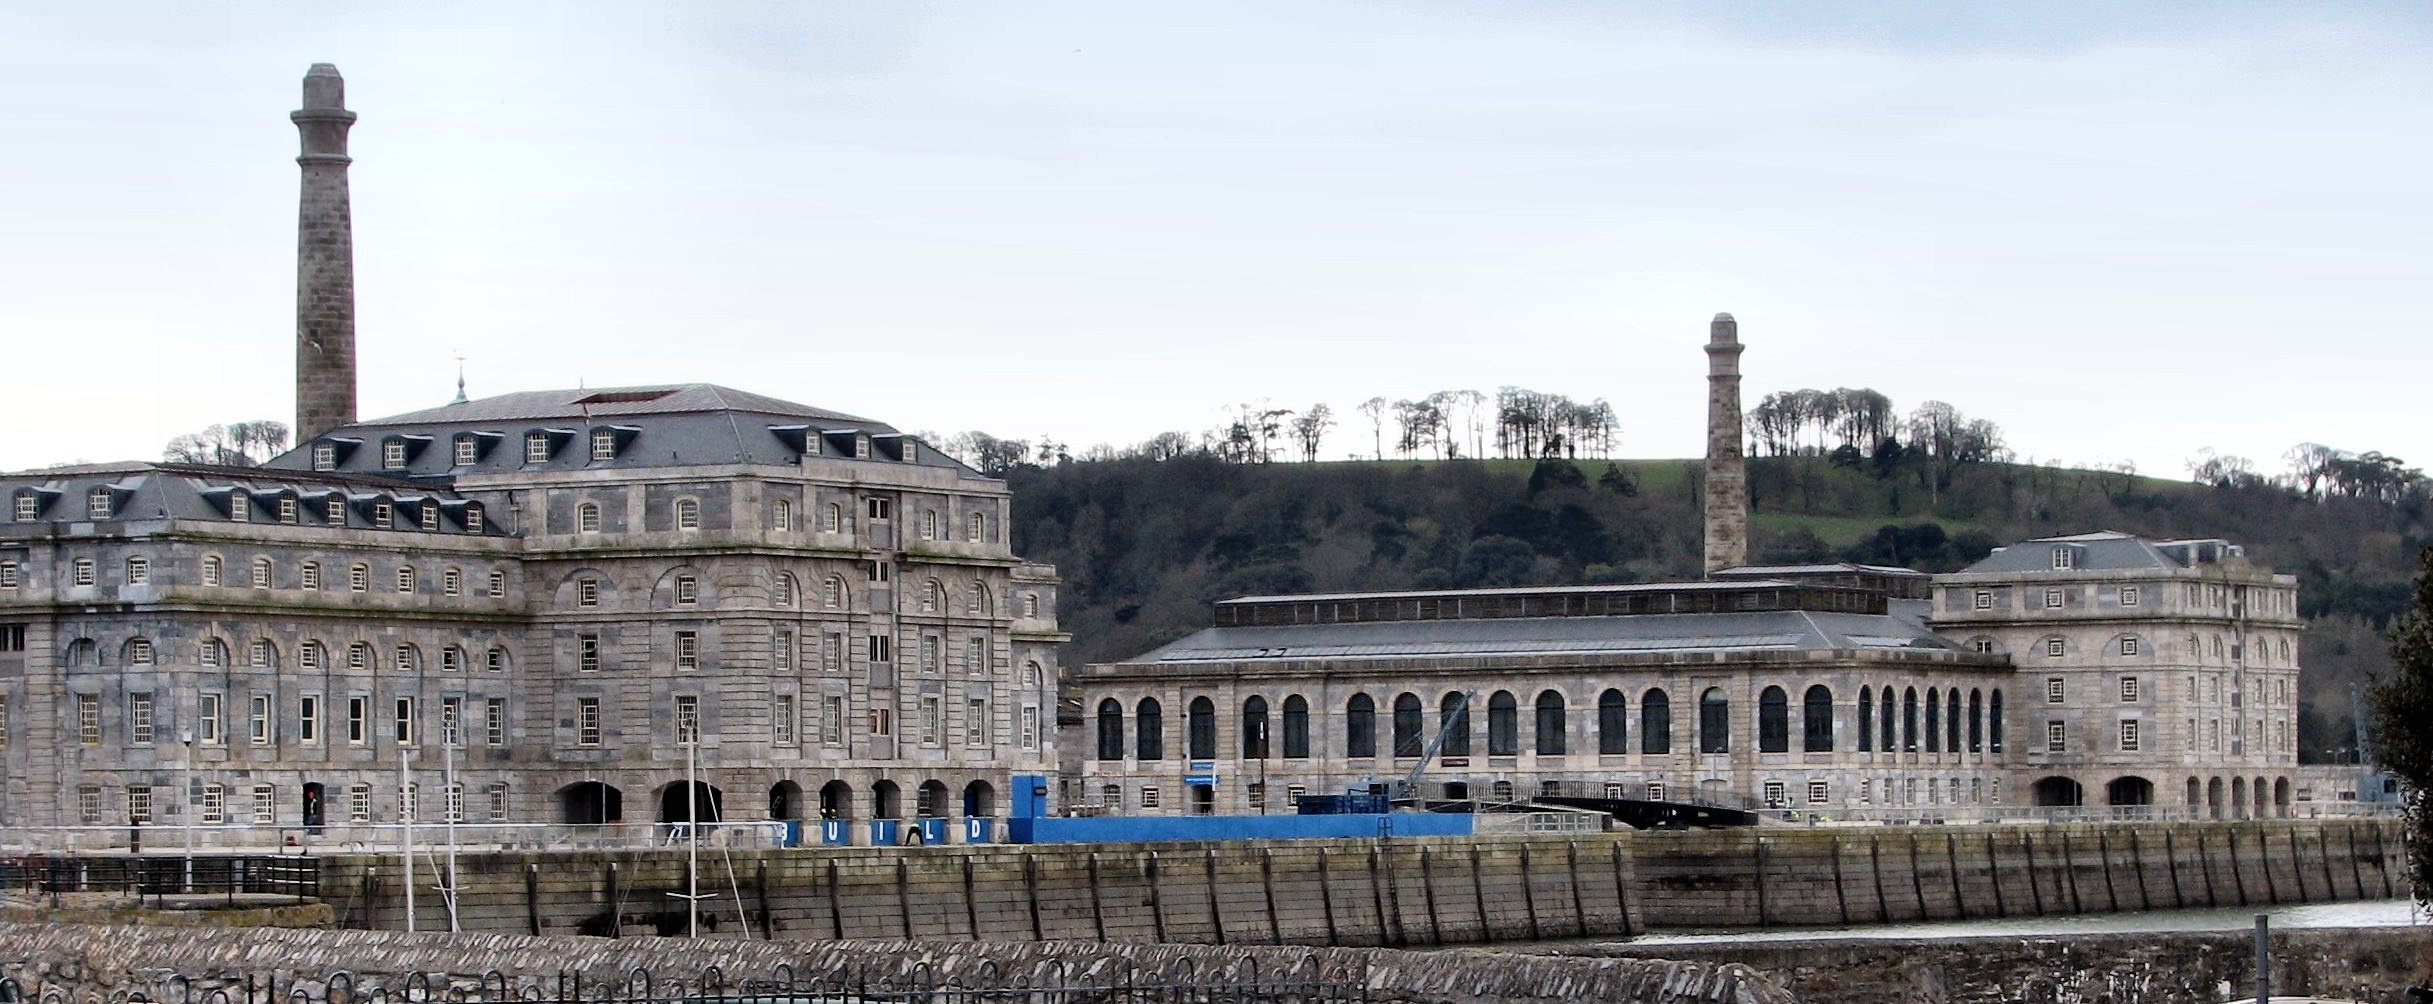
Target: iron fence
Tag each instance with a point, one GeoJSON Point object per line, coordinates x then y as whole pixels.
{"type": "Point", "coordinates": [282, 875]}
{"type": "Point", "coordinates": [1180, 982]}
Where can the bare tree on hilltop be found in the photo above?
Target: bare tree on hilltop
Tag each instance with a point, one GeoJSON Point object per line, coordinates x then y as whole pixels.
{"type": "Point", "coordinates": [237, 444]}
{"type": "Point", "coordinates": [1310, 427]}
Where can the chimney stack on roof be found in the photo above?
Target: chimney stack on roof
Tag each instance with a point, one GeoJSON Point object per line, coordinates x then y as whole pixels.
{"type": "Point", "coordinates": [1727, 474]}
{"type": "Point", "coordinates": [325, 260]}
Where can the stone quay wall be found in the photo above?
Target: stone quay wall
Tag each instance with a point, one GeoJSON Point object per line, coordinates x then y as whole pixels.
{"type": "Point", "coordinates": [1397, 892]}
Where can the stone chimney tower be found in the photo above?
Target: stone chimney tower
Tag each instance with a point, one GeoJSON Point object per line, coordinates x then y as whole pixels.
{"type": "Point", "coordinates": [1727, 475]}
{"type": "Point", "coordinates": [325, 260]}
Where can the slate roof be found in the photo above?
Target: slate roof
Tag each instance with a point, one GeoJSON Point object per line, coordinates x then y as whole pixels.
{"type": "Point", "coordinates": [2104, 550]}
{"type": "Point", "coordinates": [142, 491]}
{"type": "Point", "coordinates": [1780, 630]}
{"type": "Point", "coordinates": [586, 404]}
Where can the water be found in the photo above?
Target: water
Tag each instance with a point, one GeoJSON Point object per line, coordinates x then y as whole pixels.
{"type": "Point", "coordinates": [2369, 913]}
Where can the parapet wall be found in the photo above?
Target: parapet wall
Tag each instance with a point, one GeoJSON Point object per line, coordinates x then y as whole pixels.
{"type": "Point", "coordinates": [1402, 891]}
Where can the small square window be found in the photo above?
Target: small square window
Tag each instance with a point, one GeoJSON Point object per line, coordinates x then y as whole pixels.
{"type": "Point", "coordinates": [536, 448]}
{"type": "Point", "coordinates": [587, 593]}
{"type": "Point", "coordinates": [27, 507]}
{"type": "Point", "coordinates": [2128, 596]}
{"type": "Point", "coordinates": [2128, 689]}
{"type": "Point", "coordinates": [97, 504]}
{"type": "Point", "coordinates": [1985, 599]}
{"type": "Point", "coordinates": [2054, 647]}
{"type": "Point", "coordinates": [2128, 646]}
{"type": "Point", "coordinates": [1817, 790]}
{"type": "Point", "coordinates": [384, 515]}
{"type": "Point", "coordinates": [325, 457]}
{"type": "Point", "coordinates": [2055, 690]}
{"type": "Point", "coordinates": [467, 451]}
{"type": "Point", "coordinates": [688, 589]}
{"type": "Point", "coordinates": [289, 512]}
{"type": "Point", "coordinates": [603, 444]}
{"type": "Point", "coordinates": [83, 571]}
{"type": "Point", "coordinates": [2129, 734]}
{"type": "Point", "coordinates": [2052, 599]}
{"type": "Point", "coordinates": [1148, 796]}
{"type": "Point", "coordinates": [393, 454]}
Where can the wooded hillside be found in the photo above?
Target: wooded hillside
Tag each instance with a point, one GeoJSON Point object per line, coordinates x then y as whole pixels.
{"type": "Point", "coordinates": [1145, 545]}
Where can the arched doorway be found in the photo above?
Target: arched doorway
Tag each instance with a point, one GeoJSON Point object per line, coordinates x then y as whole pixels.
{"type": "Point", "coordinates": [836, 800]}
{"type": "Point", "coordinates": [932, 801]}
{"type": "Point", "coordinates": [591, 802]}
{"type": "Point", "coordinates": [979, 800]}
{"type": "Point", "coordinates": [2213, 799]}
{"type": "Point", "coordinates": [2258, 799]}
{"type": "Point", "coordinates": [2127, 791]}
{"type": "Point", "coordinates": [2058, 791]}
{"type": "Point", "coordinates": [2280, 797]}
{"type": "Point", "coordinates": [2238, 798]}
{"type": "Point", "coordinates": [886, 801]}
{"type": "Point", "coordinates": [676, 807]}
{"type": "Point", "coordinates": [2196, 798]}
{"type": "Point", "coordinates": [785, 800]}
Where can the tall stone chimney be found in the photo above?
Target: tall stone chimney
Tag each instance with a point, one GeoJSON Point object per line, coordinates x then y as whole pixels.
{"type": "Point", "coordinates": [1727, 475]}
{"type": "Point", "coordinates": [325, 260]}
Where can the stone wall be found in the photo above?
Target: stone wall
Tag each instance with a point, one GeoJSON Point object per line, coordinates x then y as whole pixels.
{"type": "Point", "coordinates": [77, 961]}
{"type": "Point", "coordinates": [1401, 892]}
{"type": "Point", "coordinates": [2371, 964]}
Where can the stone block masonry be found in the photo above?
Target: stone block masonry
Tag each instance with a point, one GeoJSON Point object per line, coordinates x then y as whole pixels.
{"type": "Point", "coordinates": [80, 963]}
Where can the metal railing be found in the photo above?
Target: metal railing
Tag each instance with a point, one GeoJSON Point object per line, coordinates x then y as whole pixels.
{"type": "Point", "coordinates": [1177, 983]}
{"type": "Point", "coordinates": [430, 837]}
{"type": "Point", "coordinates": [279, 875]}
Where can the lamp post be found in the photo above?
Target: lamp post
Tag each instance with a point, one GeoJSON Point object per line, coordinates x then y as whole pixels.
{"type": "Point", "coordinates": [692, 837]}
{"type": "Point", "coordinates": [186, 823]}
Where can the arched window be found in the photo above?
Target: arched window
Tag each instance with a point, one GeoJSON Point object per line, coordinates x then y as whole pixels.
{"type": "Point", "coordinates": [933, 597]}
{"type": "Point", "coordinates": [1976, 721]}
{"type": "Point", "coordinates": [1254, 728]}
{"type": "Point", "coordinates": [1993, 730]}
{"type": "Point", "coordinates": [1934, 720]}
{"type": "Point", "coordinates": [211, 570]}
{"type": "Point", "coordinates": [1110, 730]}
{"type": "Point", "coordinates": [977, 602]}
{"type": "Point", "coordinates": [1360, 726]}
{"type": "Point", "coordinates": [1773, 721]}
{"type": "Point", "coordinates": [781, 515]}
{"type": "Point", "coordinates": [1503, 724]}
{"type": "Point", "coordinates": [1554, 726]}
{"type": "Point", "coordinates": [1655, 723]}
{"type": "Point", "coordinates": [1951, 720]}
{"type": "Point", "coordinates": [261, 573]}
{"type": "Point", "coordinates": [832, 518]}
{"type": "Point", "coordinates": [1909, 720]}
{"type": "Point", "coordinates": [1453, 723]}
{"type": "Point", "coordinates": [1885, 720]}
{"type": "Point", "coordinates": [1150, 721]}
{"type": "Point", "coordinates": [1200, 729]}
{"type": "Point", "coordinates": [1296, 728]}
{"type": "Point", "coordinates": [587, 518]}
{"type": "Point", "coordinates": [1714, 722]}
{"type": "Point", "coordinates": [359, 656]}
{"type": "Point", "coordinates": [688, 514]}
{"type": "Point", "coordinates": [1407, 726]}
{"type": "Point", "coordinates": [1613, 723]}
{"type": "Point", "coordinates": [1816, 720]}
{"type": "Point", "coordinates": [929, 524]}
{"type": "Point", "coordinates": [832, 593]}
{"type": "Point", "coordinates": [977, 531]}
{"type": "Point", "coordinates": [1866, 719]}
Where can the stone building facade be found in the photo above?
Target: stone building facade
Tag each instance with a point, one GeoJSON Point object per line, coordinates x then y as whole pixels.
{"type": "Point", "coordinates": [1842, 691]}
{"type": "Point", "coordinates": [558, 589]}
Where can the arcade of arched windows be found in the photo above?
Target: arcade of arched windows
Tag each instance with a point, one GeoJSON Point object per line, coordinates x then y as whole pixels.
{"type": "Point", "coordinates": [1503, 722]}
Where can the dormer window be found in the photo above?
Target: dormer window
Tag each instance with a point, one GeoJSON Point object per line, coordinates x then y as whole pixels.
{"type": "Point", "coordinates": [27, 507]}
{"type": "Point", "coordinates": [473, 517]}
{"type": "Point", "coordinates": [2065, 557]}
{"type": "Point", "coordinates": [325, 457]}
{"type": "Point", "coordinates": [603, 444]}
{"type": "Point", "coordinates": [430, 517]}
{"type": "Point", "coordinates": [288, 512]}
{"type": "Point", "coordinates": [536, 448]}
{"type": "Point", "coordinates": [240, 506]}
{"type": "Point", "coordinates": [467, 451]}
{"type": "Point", "coordinates": [393, 454]}
{"type": "Point", "coordinates": [383, 514]}
{"type": "Point", "coordinates": [97, 503]}
{"type": "Point", "coordinates": [335, 514]}
{"type": "Point", "coordinates": [861, 447]}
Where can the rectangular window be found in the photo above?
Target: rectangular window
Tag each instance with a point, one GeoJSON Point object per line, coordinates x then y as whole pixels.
{"type": "Point", "coordinates": [1293, 793]}
{"type": "Point", "coordinates": [781, 651]}
{"type": "Point", "coordinates": [261, 573]}
{"type": "Point", "coordinates": [139, 804]}
{"type": "Point", "coordinates": [498, 803]}
{"type": "Point", "coordinates": [688, 718]}
{"type": "Point", "coordinates": [2056, 735]}
{"type": "Point", "coordinates": [97, 505]}
{"type": "Point", "coordinates": [308, 719]}
{"type": "Point", "coordinates": [257, 717]}
{"type": "Point", "coordinates": [88, 719]}
{"type": "Point", "coordinates": [2128, 735]}
{"type": "Point", "coordinates": [587, 593]}
{"type": "Point", "coordinates": [325, 457]}
{"type": "Point", "coordinates": [83, 570]}
{"type": "Point", "coordinates": [27, 507]}
{"type": "Point", "coordinates": [1655, 791]}
{"type": "Point", "coordinates": [465, 452]}
{"type": "Point", "coordinates": [333, 510]}
{"type": "Point", "coordinates": [215, 804]}
{"type": "Point", "coordinates": [832, 722]}
{"type": "Point", "coordinates": [1148, 796]}
{"type": "Point", "coordinates": [494, 720]}
{"type": "Point", "coordinates": [498, 583]}
{"type": "Point", "coordinates": [587, 653]}
{"type": "Point", "coordinates": [688, 589]}
{"type": "Point", "coordinates": [587, 721]}
{"type": "Point", "coordinates": [405, 578]}
{"type": "Point", "coordinates": [393, 453]}
{"type": "Point", "coordinates": [265, 805]}
{"type": "Point", "coordinates": [781, 720]}
{"type": "Point", "coordinates": [88, 804]}
{"type": "Point", "coordinates": [2128, 646]}
{"type": "Point", "coordinates": [408, 659]}
{"type": "Point", "coordinates": [451, 721]}
{"type": "Point", "coordinates": [2055, 690]}
{"type": "Point", "coordinates": [404, 731]}
{"type": "Point", "coordinates": [1775, 794]}
{"type": "Point", "coordinates": [8, 575]}
{"type": "Point", "coordinates": [310, 575]}
{"type": "Point", "coordinates": [430, 517]}
{"type": "Point", "coordinates": [452, 801]}
{"type": "Point", "coordinates": [139, 719]}
{"type": "Point", "coordinates": [932, 711]}
{"type": "Point", "coordinates": [1817, 790]}
{"type": "Point", "coordinates": [2128, 596]}
{"type": "Point", "coordinates": [536, 448]}
{"type": "Point", "coordinates": [384, 515]}
{"type": "Point", "coordinates": [931, 661]}
{"type": "Point", "coordinates": [882, 648]}
{"type": "Point", "coordinates": [975, 722]}
{"type": "Point", "coordinates": [1030, 726]}
{"type": "Point", "coordinates": [832, 652]}
{"type": "Point", "coordinates": [878, 508]}
{"type": "Point", "coordinates": [688, 651]}
{"type": "Point", "coordinates": [451, 660]}
{"type": "Point", "coordinates": [882, 721]}
{"type": "Point", "coordinates": [2052, 599]}
{"type": "Point", "coordinates": [139, 571]}
{"type": "Point", "coordinates": [1254, 794]}
{"type": "Point", "coordinates": [358, 720]}
{"type": "Point", "coordinates": [359, 578]}
{"type": "Point", "coordinates": [451, 582]}
{"type": "Point", "coordinates": [359, 803]}
{"type": "Point", "coordinates": [2128, 689]}
{"type": "Point", "coordinates": [139, 652]}
{"type": "Point", "coordinates": [603, 444]}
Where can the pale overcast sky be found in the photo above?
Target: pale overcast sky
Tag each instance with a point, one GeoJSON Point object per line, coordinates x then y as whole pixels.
{"type": "Point", "coordinates": [2122, 231]}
